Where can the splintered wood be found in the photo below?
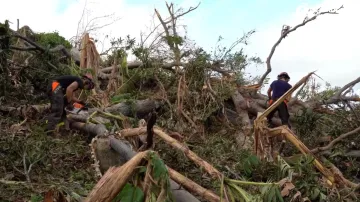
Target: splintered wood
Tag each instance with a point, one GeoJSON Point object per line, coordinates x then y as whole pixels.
{"type": "Point", "coordinates": [262, 145]}
{"type": "Point", "coordinates": [89, 58]}
{"type": "Point", "coordinates": [263, 137]}
{"type": "Point", "coordinates": [284, 130]}
{"type": "Point", "coordinates": [114, 180]}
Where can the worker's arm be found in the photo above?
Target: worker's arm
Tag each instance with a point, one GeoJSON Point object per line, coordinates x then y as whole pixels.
{"type": "Point", "coordinates": [74, 99]}
{"type": "Point", "coordinates": [269, 92]}
{"type": "Point", "coordinates": [70, 92]}
{"type": "Point", "coordinates": [288, 98]}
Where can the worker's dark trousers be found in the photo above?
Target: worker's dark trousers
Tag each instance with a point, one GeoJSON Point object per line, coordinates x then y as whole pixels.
{"type": "Point", "coordinates": [283, 114]}
{"type": "Point", "coordinates": [57, 103]}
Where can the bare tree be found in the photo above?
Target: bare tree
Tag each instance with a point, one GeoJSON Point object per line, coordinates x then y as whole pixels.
{"type": "Point", "coordinates": [91, 25]}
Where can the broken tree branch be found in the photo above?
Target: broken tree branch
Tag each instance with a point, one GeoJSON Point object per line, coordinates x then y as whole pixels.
{"type": "Point", "coordinates": [336, 140]}
{"type": "Point", "coordinates": [35, 46]}
{"type": "Point", "coordinates": [193, 187]}
{"type": "Point", "coordinates": [114, 180]}
{"type": "Point", "coordinates": [184, 13]}
{"type": "Point", "coordinates": [213, 172]}
{"type": "Point", "coordinates": [285, 31]}
{"type": "Point", "coordinates": [341, 96]}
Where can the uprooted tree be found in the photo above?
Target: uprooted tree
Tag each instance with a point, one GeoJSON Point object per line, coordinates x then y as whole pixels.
{"type": "Point", "coordinates": [193, 93]}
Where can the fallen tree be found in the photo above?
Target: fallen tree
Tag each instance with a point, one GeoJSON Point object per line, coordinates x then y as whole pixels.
{"type": "Point", "coordinates": [245, 102]}
{"type": "Point", "coordinates": [109, 151]}
{"type": "Point", "coordinates": [120, 157]}
{"type": "Point", "coordinates": [193, 91]}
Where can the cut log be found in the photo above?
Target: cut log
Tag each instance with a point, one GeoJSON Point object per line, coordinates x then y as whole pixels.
{"type": "Point", "coordinates": [114, 180]}
{"type": "Point", "coordinates": [111, 152]}
{"type": "Point", "coordinates": [25, 111]}
{"type": "Point", "coordinates": [137, 108]}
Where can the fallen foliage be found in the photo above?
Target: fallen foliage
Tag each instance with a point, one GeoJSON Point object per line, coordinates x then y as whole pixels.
{"type": "Point", "coordinates": [210, 137]}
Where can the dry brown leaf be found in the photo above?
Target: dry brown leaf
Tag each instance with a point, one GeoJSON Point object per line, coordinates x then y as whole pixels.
{"type": "Point", "coordinates": [19, 127]}
{"type": "Point", "coordinates": [297, 195]}
{"type": "Point", "coordinates": [49, 196]}
{"type": "Point", "coordinates": [282, 181]}
{"type": "Point", "coordinates": [54, 196]}
{"type": "Point", "coordinates": [286, 185]}
{"type": "Point", "coordinates": [287, 188]}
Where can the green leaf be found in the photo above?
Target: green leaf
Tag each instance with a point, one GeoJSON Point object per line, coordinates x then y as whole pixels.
{"type": "Point", "coordinates": [315, 193]}
{"type": "Point", "coordinates": [323, 197]}
{"type": "Point", "coordinates": [119, 98]}
{"type": "Point", "coordinates": [236, 194]}
{"type": "Point", "coordinates": [36, 198]}
{"type": "Point", "coordinates": [241, 192]}
{"type": "Point", "coordinates": [278, 194]}
{"type": "Point", "coordinates": [142, 169]}
{"type": "Point", "coordinates": [231, 195]}
{"type": "Point", "coordinates": [159, 167]}
{"type": "Point", "coordinates": [271, 194]}
{"type": "Point", "coordinates": [130, 194]}
{"type": "Point", "coordinates": [338, 153]}
{"type": "Point", "coordinates": [254, 160]}
{"type": "Point", "coordinates": [250, 163]}
{"type": "Point", "coordinates": [153, 197]}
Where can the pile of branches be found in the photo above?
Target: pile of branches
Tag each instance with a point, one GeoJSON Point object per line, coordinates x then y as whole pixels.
{"type": "Point", "coordinates": [130, 151]}
{"type": "Point", "coordinates": [29, 60]}
{"type": "Point", "coordinates": [188, 87]}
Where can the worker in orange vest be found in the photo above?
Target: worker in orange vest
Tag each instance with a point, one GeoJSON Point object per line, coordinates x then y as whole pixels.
{"type": "Point", "coordinates": [277, 89]}
{"type": "Point", "coordinates": [60, 91]}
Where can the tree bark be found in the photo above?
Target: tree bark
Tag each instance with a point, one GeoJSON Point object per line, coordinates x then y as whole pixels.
{"type": "Point", "coordinates": [187, 183]}
{"type": "Point", "coordinates": [114, 180]}
{"type": "Point", "coordinates": [113, 152]}
{"type": "Point", "coordinates": [137, 108]}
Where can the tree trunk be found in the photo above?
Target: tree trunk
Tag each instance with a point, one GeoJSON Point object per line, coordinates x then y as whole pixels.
{"type": "Point", "coordinates": [137, 108]}
{"type": "Point", "coordinates": [113, 152]}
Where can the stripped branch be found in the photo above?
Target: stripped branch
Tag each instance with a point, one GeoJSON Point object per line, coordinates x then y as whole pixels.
{"type": "Point", "coordinates": [35, 46]}
{"type": "Point", "coordinates": [336, 140]}
{"type": "Point", "coordinates": [285, 31]}
{"type": "Point", "coordinates": [340, 96]}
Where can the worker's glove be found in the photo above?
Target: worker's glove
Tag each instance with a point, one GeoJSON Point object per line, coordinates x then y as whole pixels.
{"type": "Point", "coordinates": [82, 102]}
{"type": "Point", "coordinates": [85, 105]}
{"type": "Point", "coordinates": [70, 107]}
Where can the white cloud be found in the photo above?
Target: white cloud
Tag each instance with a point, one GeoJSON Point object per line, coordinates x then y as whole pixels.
{"type": "Point", "coordinates": [133, 18]}
{"type": "Point", "coordinates": [330, 44]}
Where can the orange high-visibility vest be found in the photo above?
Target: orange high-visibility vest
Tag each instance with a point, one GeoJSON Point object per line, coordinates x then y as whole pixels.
{"type": "Point", "coordinates": [54, 85]}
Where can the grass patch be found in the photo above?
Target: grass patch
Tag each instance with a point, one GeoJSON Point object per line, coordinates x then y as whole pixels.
{"type": "Point", "coordinates": [63, 163]}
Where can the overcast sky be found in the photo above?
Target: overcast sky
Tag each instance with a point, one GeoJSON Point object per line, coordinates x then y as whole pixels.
{"type": "Point", "coordinates": [330, 44]}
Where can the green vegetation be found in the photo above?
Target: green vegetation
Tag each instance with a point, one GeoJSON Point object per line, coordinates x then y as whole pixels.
{"type": "Point", "coordinates": [51, 40]}
{"type": "Point", "coordinates": [197, 101]}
